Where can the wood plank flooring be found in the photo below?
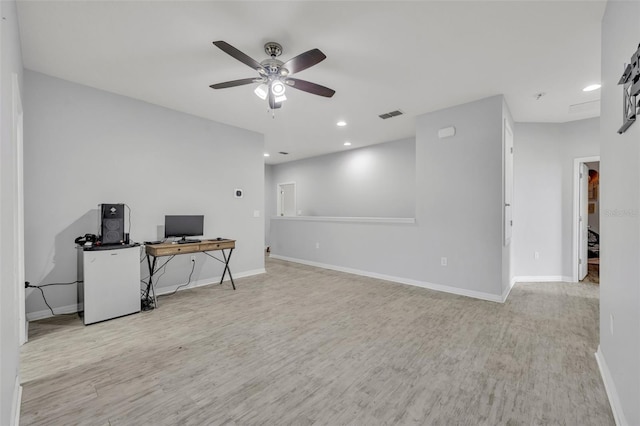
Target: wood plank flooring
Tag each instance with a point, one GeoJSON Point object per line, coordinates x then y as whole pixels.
{"type": "Point", "coordinates": [301, 345]}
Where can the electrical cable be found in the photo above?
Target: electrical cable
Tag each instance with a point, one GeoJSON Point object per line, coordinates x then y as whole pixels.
{"type": "Point", "coordinates": [39, 287]}
{"type": "Point", "coordinates": [147, 301]}
{"type": "Point", "coordinates": [47, 285]}
{"type": "Point", "coordinates": [45, 301]}
{"type": "Point", "coordinates": [193, 267]}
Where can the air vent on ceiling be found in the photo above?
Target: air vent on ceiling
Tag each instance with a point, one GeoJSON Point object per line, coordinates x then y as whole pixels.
{"type": "Point", "coordinates": [391, 114]}
{"type": "Point", "coordinates": [590, 107]}
{"type": "Point", "coordinates": [283, 153]}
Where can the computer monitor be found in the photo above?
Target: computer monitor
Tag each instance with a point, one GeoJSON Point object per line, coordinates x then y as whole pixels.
{"type": "Point", "coordinates": [183, 226]}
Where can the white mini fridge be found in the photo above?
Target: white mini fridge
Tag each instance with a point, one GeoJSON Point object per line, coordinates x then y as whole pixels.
{"type": "Point", "coordinates": [110, 282]}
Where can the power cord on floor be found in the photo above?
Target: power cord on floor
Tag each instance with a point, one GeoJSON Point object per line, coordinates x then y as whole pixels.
{"type": "Point", "coordinates": [193, 267]}
{"type": "Point", "coordinates": [39, 287]}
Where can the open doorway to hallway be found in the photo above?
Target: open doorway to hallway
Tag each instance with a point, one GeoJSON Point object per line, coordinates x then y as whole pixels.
{"type": "Point", "coordinates": [593, 222]}
{"type": "Point", "coordinates": [587, 220]}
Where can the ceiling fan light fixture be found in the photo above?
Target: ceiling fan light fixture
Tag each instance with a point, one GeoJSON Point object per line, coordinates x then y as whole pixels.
{"type": "Point", "coordinates": [262, 91]}
{"type": "Point", "coordinates": [274, 75]}
{"type": "Point", "coordinates": [277, 88]}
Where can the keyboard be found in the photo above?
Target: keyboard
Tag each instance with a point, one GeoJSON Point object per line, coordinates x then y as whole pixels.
{"type": "Point", "coordinates": [188, 241]}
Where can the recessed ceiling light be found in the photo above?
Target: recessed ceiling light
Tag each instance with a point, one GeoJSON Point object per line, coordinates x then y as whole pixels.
{"type": "Point", "coordinates": [347, 144]}
{"type": "Point", "coordinates": [591, 88]}
{"type": "Point", "coordinates": [341, 123]}
{"type": "Point", "coordinates": [266, 154]}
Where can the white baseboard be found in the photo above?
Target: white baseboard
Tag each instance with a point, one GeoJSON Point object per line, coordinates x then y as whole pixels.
{"type": "Point", "coordinates": [610, 388]}
{"type": "Point", "coordinates": [70, 309]}
{"type": "Point", "coordinates": [507, 291]}
{"type": "Point", "coordinates": [59, 310]}
{"type": "Point", "coordinates": [207, 281]}
{"type": "Point", "coordinates": [17, 402]}
{"type": "Point", "coordinates": [542, 279]}
{"type": "Point", "coordinates": [431, 286]}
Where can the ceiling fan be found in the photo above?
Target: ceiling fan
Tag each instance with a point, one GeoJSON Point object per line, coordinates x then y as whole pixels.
{"type": "Point", "coordinates": [275, 75]}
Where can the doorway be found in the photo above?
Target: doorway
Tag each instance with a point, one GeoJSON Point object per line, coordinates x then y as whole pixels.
{"type": "Point", "coordinates": [287, 199]}
{"type": "Point", "coordinates": [587, 220]}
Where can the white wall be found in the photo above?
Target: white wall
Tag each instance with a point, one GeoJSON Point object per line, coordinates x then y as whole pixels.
{"type": "Point", "coordinates": [543, 194]}
{"type": "Point", "coordinates": [459, 197]}
{"type": "Point", "coordinates": [458, 214]}
{"type": "Point", "coordinates": [374, 181]}
{"type": "Point", "coordinates": [619, 352]}
{"type": "Point", "coordinates": [84, 147]}
{"type": "Point", "coordinates": [11, 63]}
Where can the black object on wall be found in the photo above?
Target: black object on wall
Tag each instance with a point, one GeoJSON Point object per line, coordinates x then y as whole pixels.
{"type": "Point", "coordinates": [112, 227]}
{"type": "Point", "coordinates": [631, 92]}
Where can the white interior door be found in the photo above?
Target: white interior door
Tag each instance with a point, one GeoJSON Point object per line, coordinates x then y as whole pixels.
{"type": "Point", "coordinates": [583, 222]}
{"type": "Point", "coordinates": [287, 199]}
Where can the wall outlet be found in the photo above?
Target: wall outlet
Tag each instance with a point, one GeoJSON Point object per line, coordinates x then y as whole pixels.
{"type": "Point", "coordinates": [256, 213]}
{"type": "Point", "coordinates": [193, 257]}
{"type": "Point", "coordinates": [443, 261]}
{"type": "Point", "coordinates": [536, 255]}
{"type": "Point", "coordinates": [317, 245]}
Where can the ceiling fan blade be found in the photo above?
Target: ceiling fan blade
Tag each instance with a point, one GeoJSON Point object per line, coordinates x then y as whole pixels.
{"type": "Point", "coordinates": [242, 57]}
{"type": "Point", "coordinates": [307, 86]}
{"type": "Point", "coordinates": [304, 61]}
{"type": "Point", "coordinates": [272, 101]}
{"type": "Point", "coordinates": [235, 83]}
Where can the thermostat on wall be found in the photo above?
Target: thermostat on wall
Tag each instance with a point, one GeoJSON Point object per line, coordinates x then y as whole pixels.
{"type": "Point", "coordinates": [237, 193]}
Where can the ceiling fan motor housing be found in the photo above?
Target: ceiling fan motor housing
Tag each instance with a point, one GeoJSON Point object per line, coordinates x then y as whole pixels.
{"type": "Point", "coordinates": [274, 67]}
{"type": "Point", "coordinates": [273, 49]}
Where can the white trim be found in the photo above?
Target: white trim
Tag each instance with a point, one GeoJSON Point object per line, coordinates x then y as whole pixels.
{"type": "Point", "coordinates": [431, 286]}
{"type": "Point", "coordinates": [46, 313]}
{"type": "Point", "coordinates": [279, 198]}
{"type": "Point", "coordinates": [207, 281]}
{"type": "Point", "coordinates": [543, 279]}
{"type": "Point", "coordinates": [70, 309]}
{"type": "Point", "coordinates": [507, 196]}
{"type": "Point", "coordinates": [410, 220]}
{"type": "Point", "coordinates": [610, 388]}
{"type": "Point", "coordinates": [17, 402]}
{"type": "Point", "coordinates": [576, 212]}
{"type": "Point", "coordinates": [18, 211]}
{"type": "Point", "coordinates": [507, 291]}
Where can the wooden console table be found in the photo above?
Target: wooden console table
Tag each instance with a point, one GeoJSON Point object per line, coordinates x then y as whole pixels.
{"type": "Point", "coordinates": [173, 249]}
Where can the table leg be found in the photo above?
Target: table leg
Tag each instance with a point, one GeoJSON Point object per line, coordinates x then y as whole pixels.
{"type": "Point", "coordinates": [150, 289]}
{"type": "Point", "coordinates": [226, 268]}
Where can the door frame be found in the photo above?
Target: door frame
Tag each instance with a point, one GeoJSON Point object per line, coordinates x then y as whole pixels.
{"type": "Point", "coordinates": [507, 184]}
{"type": "Point", "coordinates": [279, 198]}
{"type": "Point", "coordinates": [575, 258]}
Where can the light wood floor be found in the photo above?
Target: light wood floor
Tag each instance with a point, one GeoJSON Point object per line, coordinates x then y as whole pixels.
{"type": "Point", "coordinates": [301, 345]}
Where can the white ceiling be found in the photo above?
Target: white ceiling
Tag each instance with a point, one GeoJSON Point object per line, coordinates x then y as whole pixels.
{"type": "Point", "coordinates": [417, 56]}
